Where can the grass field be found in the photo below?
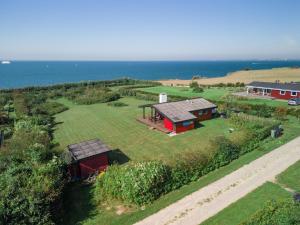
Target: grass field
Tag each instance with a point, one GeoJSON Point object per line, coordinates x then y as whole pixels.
{"type": "Point", "coordinates": [118, 128]}
{"type": "Point", "coordinates": [116, 125]}
{"type": "Point", "coordinates": [244, 208]}
{"type": "Point", "coordinates": [212, 94]}
{"type": "Point", "coordinates": [291, 177]}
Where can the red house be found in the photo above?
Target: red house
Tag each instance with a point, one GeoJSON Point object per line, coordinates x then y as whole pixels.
{"type": "Point", "coordinates": [275, 90]}
{"type": "Point", "coordinates": [88, 158]}
{"type": "Point", "coordinates": [181, 116]}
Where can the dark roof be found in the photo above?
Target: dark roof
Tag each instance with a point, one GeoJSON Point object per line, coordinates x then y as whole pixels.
{"type": "Point", "coordinates": [86, 149]}
{"type": "Point", "coordinates": [181, 110]}
{"type": "Point", "coordinates": [282, 86]}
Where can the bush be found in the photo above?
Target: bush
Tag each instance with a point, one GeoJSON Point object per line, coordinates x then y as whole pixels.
{"type": "Point", "coordinates": [117, 104]}
{"type": "Point", "coordinates": [281, 212]}
{"type": "Point", "coordinates": [138, 183]}
{"type": "Point", "coordinates": [49, 108]}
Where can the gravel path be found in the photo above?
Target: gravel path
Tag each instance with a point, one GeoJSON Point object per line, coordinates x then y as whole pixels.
{"type": "Point", "coordinates": [208, 201]}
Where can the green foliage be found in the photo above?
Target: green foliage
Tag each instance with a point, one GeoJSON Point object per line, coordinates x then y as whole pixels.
{"type": "Point", "coordinates": [284, 212]}
{"type": "Point", "coordinates": [137, 183]}
{"type": "Point", "coordinates": [89, 96]}
{"type": "Point", "coordinates": [117, 104]}
{"type": "Point", "coordinates": [49, 108]}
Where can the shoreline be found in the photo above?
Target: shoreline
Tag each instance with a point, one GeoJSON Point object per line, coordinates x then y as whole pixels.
{"type": "Point", "coordinates": [283, 74]}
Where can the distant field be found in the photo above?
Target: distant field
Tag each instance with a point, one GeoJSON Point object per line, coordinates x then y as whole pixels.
{"type": "Point", "coordinates": [118, 128]}
{"type": "Point", "coordinates": [211, 94]}
{"type": "Point", "coordinates": [270, 75]}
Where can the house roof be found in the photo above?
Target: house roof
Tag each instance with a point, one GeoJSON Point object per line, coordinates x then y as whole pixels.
{"type": "Point", "coordinates": [86, 149]}
{"type": "Point", "coordinates": [280, 86]}
{"type": "Point", "coordinates": [181, 110]}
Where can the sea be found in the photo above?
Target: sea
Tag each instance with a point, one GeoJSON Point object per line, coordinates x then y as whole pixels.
{"type": "Point", "coordinates": [40, 73]}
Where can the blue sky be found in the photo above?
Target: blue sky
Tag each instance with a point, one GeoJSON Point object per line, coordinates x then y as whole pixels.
{"type": "Point", "coordinates": [149, 30]}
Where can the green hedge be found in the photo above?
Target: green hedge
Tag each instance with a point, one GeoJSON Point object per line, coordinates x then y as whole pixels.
{"type": "Point", "coordinates": [141, 183]}
{"type": "Point", "coordinates": [281, 212]}
{"type": "Point", "coordinates": [137, 183]}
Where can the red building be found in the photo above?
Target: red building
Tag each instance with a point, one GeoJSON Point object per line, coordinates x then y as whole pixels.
{"type": "Point", "coordinates": [87, 158]}
{"type": "Point", "coordinates": [275, 90]}
{"type": "Point", "coordinates": [181, 116]}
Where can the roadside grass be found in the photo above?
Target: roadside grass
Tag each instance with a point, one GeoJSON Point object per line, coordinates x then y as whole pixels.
{"type": "Point", "coordinates": [241, 210]}
{"type": "Point", "coordinates": [99, 215]}
{"type": "Point", "coordinates": [118, 128]}
{"type": "Point", "coordinates": [214, 93]}
{"type": "Point", "coordinates": [291, 177]}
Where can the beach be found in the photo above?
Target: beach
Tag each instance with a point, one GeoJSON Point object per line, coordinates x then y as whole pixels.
{"type": "Point", "coordinates": [245, 76]}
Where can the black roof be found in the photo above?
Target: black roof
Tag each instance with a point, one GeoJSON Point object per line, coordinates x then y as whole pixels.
{"type": "Point", "coordinates": [294, 86]}
{"type": "Point", "coordinates": [86, 149]}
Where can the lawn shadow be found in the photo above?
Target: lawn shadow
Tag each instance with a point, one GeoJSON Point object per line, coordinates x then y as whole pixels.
{"type": "Point", "coordinates": [117, 156]}
{"type": "Point", "coordinates": [78, 203]}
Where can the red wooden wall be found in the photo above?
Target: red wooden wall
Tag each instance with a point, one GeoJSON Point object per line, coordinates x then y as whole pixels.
{"type": "Point", "coordinates": [287, 96]}
{"type": "Point", "coordinates": [168, 124]}
{"type": "Point", "coordinates": [181, 128]}
{"type": "Point", "coordinates": [88, 166]}
{"type": "Point", "coordinates": [206, 116]}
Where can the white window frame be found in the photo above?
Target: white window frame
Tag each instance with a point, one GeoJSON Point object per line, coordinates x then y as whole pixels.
{"type": "Point", "coordinates": [282, 92]}
{"type": "Point", "coordinates": [296, 93]}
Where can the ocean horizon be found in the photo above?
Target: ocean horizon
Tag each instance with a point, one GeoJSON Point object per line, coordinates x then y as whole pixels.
{"type": "Point", "coordinates": [20, 74]}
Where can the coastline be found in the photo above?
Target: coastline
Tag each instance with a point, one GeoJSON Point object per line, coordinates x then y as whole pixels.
{"type": "Point", "coordinates": [283, 74]}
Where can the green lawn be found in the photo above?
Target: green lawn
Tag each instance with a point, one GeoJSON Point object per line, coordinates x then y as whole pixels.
{"type": "Point", "coordinates": [215, 93]}
{"type": "Point", "coordinates": [244, 208]}
{"type": "Point", "coordinates": [118, 128]}
{"type": "Point", "coordinates": [210, 93]}
{"type": "Point", "coordinates": [291, 177]}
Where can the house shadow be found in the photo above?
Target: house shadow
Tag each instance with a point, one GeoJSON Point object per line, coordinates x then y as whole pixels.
{"type": "Point", "coordinates": [198, 125]}
{"type": "Point", "coordinates": [116, 156]}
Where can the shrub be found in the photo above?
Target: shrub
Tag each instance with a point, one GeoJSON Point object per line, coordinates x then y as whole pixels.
{"type": "Point", "coordinates": [49, 108]}
{"type": "Point", "coordinates": [117, 104]}
{"type": "Point", "coordinates": [138, 183]}
{"type": "Point", "coordinates": [280, 212]}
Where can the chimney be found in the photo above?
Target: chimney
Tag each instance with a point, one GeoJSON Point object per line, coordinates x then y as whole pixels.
{"type": "Point", "coordinates": [163, 97]}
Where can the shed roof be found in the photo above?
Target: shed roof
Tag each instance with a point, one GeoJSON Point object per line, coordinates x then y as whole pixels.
{"type": "Point", "coordinates": [181, 110]}
{"type": "Point", "coordinates": [86, 149]}
{"type": "Point", "coordinates": [295, 86]}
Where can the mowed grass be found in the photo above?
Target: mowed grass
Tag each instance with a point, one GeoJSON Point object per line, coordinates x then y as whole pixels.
{"type": "Point", "coordinates": [209, 93]}
{"type": "Point", "coordinates": [81, 207]}
{"type": "Point", "coordinates": [215, 93]}
{"type": "Point", "coordinates": [241, 210]}
{"type": "Point", "coordinates": [118, 128]}
{"type": "Point", "coordinates": [291, 177]}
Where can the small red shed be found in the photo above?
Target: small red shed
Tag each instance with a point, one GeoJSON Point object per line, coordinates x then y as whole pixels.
{"type": "Point", "coordinates": [88, 157]}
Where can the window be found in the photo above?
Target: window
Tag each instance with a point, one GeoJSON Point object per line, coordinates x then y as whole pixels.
{"type": "Point", "coordinates": [200, 113]}
{"type": "Point", "coordinates": [282, 92]}
{"type": "Point", "coordinates": [205, 111]}
{"type": "Point", "coordinates": [214, 110]}
{"type": "Point", "coordinates": [294, 93]}
{"type": "Point", "coordinates": [187, 123]}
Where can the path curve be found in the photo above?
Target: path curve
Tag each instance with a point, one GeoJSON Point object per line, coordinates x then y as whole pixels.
{"type": "Point", "coordinates": [211, 199]}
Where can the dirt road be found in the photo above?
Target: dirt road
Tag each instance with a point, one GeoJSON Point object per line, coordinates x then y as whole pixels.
{"type": "Point", "coordinates": [208, 201]}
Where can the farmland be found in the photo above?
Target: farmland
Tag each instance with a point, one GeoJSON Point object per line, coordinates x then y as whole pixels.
{"type": "Point", "coordinates": [118, 128]}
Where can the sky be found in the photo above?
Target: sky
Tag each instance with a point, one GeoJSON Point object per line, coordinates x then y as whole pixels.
{"type": "Point", "coordinates": [149, 30]}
